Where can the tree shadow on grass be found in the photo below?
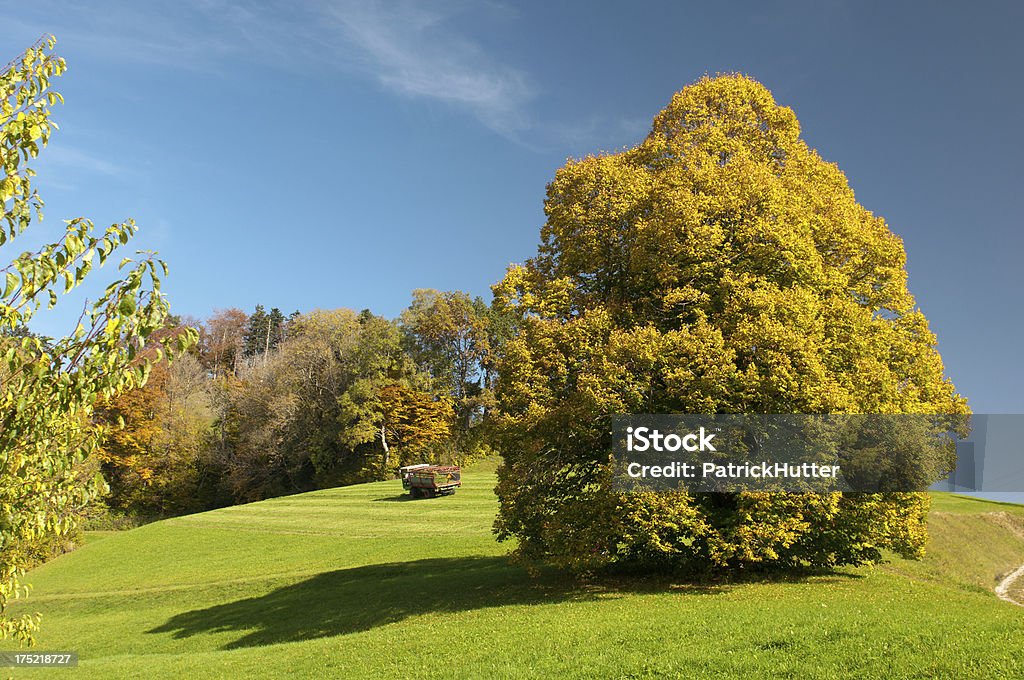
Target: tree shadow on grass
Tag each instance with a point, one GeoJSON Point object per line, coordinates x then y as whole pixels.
{"type": "Point", "coordinates": [361, 598]}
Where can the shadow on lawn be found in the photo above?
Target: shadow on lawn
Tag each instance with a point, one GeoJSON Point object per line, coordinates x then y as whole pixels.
{"type": "Point", "coordinates": [403, 497]}
{"type": "Point", "coordinates": [361, 598]}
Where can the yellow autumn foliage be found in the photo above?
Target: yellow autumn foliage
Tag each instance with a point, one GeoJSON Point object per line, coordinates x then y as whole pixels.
{"type": "Point", "coordinates": [720, 266]}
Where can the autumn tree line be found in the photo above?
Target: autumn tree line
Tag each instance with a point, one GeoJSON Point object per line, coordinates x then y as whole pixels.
{"type": "Point", "coordinates": [267, 404]}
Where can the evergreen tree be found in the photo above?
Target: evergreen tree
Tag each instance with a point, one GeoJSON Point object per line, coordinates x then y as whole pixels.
{"type": "Point", "coordinates": [265, 331]}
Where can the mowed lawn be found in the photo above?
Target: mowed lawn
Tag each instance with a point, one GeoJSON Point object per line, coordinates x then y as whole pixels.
{"type": "Point", "coordinates": [359, 581]}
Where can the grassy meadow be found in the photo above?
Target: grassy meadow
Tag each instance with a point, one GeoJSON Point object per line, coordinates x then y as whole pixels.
{"type": "Point", "coordinates": [360, 581]}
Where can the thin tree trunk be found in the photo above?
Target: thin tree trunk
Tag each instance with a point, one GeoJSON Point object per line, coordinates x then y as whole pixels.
{"type": "Point", "coordinates": [266, 348]}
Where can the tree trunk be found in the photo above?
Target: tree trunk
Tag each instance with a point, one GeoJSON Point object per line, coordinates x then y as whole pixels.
{"type": "Point", "coordinates": [266, 348]}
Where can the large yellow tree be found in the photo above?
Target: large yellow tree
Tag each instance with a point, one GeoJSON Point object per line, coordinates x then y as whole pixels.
{"type": "Point", "coordinates": [720, 266]}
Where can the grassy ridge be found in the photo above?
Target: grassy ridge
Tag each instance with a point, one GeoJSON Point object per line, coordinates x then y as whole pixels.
{"type": "Point", "coordinates": [360, 581]}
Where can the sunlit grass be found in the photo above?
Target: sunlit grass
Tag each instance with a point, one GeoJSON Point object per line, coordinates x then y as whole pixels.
{"type": "Point", "coordinates": [359, 581]}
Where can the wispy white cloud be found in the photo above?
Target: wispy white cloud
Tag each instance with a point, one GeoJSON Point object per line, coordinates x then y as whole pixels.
{"type": "Point", "coordinates": [412, 49]}
{"type": "Point", "coordinates": [415, 52]}
{"type": "Point", "coordinates": [72, 158]}
{"type": "Point", "coordinates": [131, 33]}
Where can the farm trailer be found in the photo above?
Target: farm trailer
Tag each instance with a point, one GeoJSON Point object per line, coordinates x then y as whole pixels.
{"type": "Point", "coordinates": [428, 481]}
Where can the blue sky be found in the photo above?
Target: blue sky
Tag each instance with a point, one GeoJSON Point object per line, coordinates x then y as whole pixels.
{"type": "Point", "coordinates": [330, 154]}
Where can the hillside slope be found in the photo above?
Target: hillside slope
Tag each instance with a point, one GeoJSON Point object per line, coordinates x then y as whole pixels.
{"type": "Point", "coordinates": [361, 581]}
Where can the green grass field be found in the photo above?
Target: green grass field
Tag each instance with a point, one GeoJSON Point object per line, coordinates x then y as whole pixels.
{"type": "Point", "coordinates": [359, 581]}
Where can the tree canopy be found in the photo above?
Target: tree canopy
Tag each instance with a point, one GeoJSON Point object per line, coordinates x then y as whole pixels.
{"type": "Point", "coordinates": [48, 387]}
{"type": "Point", "coordinates": [720, 266]}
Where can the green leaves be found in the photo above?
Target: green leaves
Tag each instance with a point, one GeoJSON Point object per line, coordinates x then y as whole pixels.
{"type": "Point", "coordinates": [25, 126]}
{"type": "Point", "coordinates": [48, 387]}
{"type": "Point", "coordinates": [127, 305]}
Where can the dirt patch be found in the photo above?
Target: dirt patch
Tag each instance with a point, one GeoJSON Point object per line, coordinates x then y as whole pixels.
{"type": "Point", "coordinates": [1012, 523]}
{"type": "Point", "coordinates": [1015, 525]}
